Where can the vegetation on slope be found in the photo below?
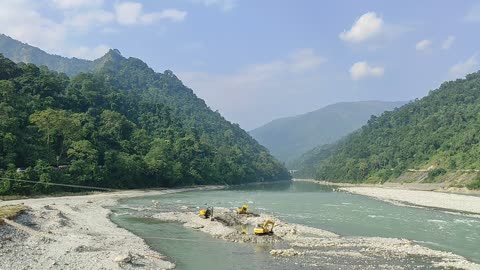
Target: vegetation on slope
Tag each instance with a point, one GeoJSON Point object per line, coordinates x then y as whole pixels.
{"type": "Point", "coordinates": [438, 134]}
{"type": "Point", "coordinates": [11, 211]}
{"type": "Point", "coordinates": [288, 138]}
{"type": "Point", "coordinates": [21, 52]}
{"type": "Point", "coordinates": [123, 126]}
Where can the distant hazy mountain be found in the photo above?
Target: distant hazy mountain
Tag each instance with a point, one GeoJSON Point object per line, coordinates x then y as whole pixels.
{"type": "Point", "coordinates": [288, 138]}
{"type": "Point", "coordinates": [22, 52]}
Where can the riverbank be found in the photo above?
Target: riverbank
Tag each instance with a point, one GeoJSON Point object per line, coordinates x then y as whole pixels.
{"type": "Point", "coordinates": [296, 246]}
{"type": "Point", "coordinates": [445, 201]}
{"type": "Point", "coordinates": [416, 194]}
{"type": "Point", "coordinates": [75, 232]}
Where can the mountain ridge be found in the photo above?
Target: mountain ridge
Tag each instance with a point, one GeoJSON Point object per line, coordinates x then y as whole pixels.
{"type": "Point", "coordinates": [18, 51]}
{"type": "Point", "coordinates": [289, 137]}
{"type": "Point", "coordinates": [120, 125]}
{"type": "Point", "coordinates": [432, 139]}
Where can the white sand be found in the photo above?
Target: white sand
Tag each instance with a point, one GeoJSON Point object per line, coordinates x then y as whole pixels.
{"type": "Point", "coordinates": [448, 201]}
{"type": "Point", "coordinates": [75, 233]}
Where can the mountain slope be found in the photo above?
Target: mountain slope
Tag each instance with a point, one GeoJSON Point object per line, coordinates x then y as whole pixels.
{"type": "Point", "coordinates": [437, 135]}
{"type": "Point", "coordinates": [123, 126]}
{"type": "Point", "coordinates": [22, 52]}
{"type": "Point", "coordinates": [288, 138]}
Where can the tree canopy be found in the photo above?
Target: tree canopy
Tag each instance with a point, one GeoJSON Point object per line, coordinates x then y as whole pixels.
{"type": "Point", "coordinates": [438, 133]}
{"type": "Point", "coordinates": [121, 126]}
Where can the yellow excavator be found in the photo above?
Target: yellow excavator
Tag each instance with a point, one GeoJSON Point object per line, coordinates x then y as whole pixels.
{"type": "Point", "coordinates": [243, 210]}
{"type": "Point", "coordinates": [265, 228]}
{"type": "Point", "coordinates": [206, 213]}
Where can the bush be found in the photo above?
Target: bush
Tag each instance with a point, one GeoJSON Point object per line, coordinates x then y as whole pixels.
{"type": "Point", "coordinates": [436, 172]}
{"type": "Point", "coordinates": [474, 185]}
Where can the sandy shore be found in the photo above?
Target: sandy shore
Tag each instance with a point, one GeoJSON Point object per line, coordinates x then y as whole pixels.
{"type": "Point", "coordinates": [415, 194]}
{"type": "Point", "coordinates": [75, 232]}
{"type": "Point", "coordinates": [447, 201]}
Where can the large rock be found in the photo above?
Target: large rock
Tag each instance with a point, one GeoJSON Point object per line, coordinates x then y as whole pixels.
{"type": "Point", "coordinates": [285, 252]}
{"type": "Point", "coordinates": [124, 258]}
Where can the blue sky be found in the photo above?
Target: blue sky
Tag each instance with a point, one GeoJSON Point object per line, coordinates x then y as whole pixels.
{"type": "Point", "coordinates": [255, 61]}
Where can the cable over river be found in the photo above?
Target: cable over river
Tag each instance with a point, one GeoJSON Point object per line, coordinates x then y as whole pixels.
{"type": "Point", "coordinates": [303, 203]}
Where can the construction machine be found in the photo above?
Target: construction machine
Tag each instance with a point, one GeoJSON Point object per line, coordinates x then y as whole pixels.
{"type": "Point", "coordinates": [242, 210]}
{"type": "Point", "coordinates": [206, 213]}
{"type": "Point", "coordinates": [265, 228]}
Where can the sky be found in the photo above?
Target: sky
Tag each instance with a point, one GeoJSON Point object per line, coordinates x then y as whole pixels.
{"type": "Point", "coordinates": [258, 60]}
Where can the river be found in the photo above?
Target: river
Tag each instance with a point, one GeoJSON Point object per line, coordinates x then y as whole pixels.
{"type": "Point", "coordinates": [296, 202]}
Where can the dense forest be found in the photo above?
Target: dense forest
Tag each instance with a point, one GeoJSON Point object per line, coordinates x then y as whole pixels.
{"type": "Point", "coordinates": [438, 134]}
{"type": "Point", "coordinates": [122, 126]}
{"type": "Point", "coordinates": [288, 138]}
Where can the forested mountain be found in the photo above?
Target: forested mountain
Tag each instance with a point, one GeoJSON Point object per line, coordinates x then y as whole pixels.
{"type": "Point", "coordinates": [20, 52]}
{"type": "Point", "coordinates": [288, 138]}
{"type": "Point", "coordinates": [437, 134]}
{"type": "Point", "coordinates": [121, 126]}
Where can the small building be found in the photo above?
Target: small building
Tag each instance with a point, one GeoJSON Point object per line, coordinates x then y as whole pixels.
{"type": "Point", "coordinates": [62, 167]}
{"type": "Point", "coordinates": [21, 170]}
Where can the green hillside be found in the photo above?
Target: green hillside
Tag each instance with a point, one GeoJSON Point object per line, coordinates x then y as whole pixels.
{"type": "Point", "coordinates": [437, 134]}
{"type": "Point", "coordinates": [288, 138]}
{"type": "Point", "coordinates": [21, 52]}
{"type": "Point", "coordinates": [122, 126]}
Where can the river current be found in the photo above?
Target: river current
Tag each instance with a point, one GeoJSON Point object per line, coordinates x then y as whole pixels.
{"type": "Point", "coordinates": [296, 202]}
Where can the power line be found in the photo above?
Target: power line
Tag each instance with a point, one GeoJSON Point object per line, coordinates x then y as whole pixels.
{"type": "Point", "coordinates": [58, 184]}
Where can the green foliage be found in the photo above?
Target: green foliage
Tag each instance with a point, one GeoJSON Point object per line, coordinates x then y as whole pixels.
{"type": "Point", "coordinates": [436, 172]}
{"type": "Point", "coordinates": [21, 52]}
{"type": "Point", "coordinates": [474, 185]}
{"type": "Point", "coordinates": [122, 126]}
{"type": "Point", "coordinates": [439, 131]}
{"type": "Point", "coordinates": [288, 138]}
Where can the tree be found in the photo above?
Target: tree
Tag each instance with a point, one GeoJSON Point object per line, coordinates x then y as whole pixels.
{"type": "Point", "coordinates": [58, 126]}
{"type": "Point", "coordinates": [122, 126]}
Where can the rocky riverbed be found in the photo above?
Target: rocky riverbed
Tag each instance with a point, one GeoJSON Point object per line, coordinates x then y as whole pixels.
{"type": "Point", "coordinates": [75, 232]}
{"type": "Point", "coordinates": [309, 248]}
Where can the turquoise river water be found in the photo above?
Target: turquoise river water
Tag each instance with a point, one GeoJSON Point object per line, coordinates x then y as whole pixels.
{"type": "Point", "coordinates": [297, 202]}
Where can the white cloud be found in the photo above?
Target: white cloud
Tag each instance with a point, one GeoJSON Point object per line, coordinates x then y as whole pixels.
{"type": "Point", "coordinates": [76, 4]}
{"type": "Point", "coordinates": [20, 20]}
{"type": "Point", "coordinates": [89, 53]}
{"type": "Point", "coordinates": [304, 60]}
{"type": "Point", "coordinates": [128, 13]}
{"type": "Point", "coordinates": [90, 18]}
{"type": "Point", "coordinates": [447, 43]}
{"type": "Point", "coordinates": [300, 60]}
{"type": "Point", "coordinates": [473, 14]}
{"type": "Point", "coordinates": [463, 68]}
{"type": "Point", "coordinates": [423, 45]}
{"type": "Point", "coordinates": [244, 91]}
{"type": "Point", "coordinates": [368, 26]}
{"type": "Point", "coordinates": [362, 70]}
{"type": "Point", "coordinates": [225, 5]}
{"type": "Point", "coordinates": [172, 14]}
{"type": "Point", "coordinates": [259, 87]}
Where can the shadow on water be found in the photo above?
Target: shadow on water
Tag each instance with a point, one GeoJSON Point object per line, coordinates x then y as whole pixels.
{"type": "Point", "coordinates": [288, 186]}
